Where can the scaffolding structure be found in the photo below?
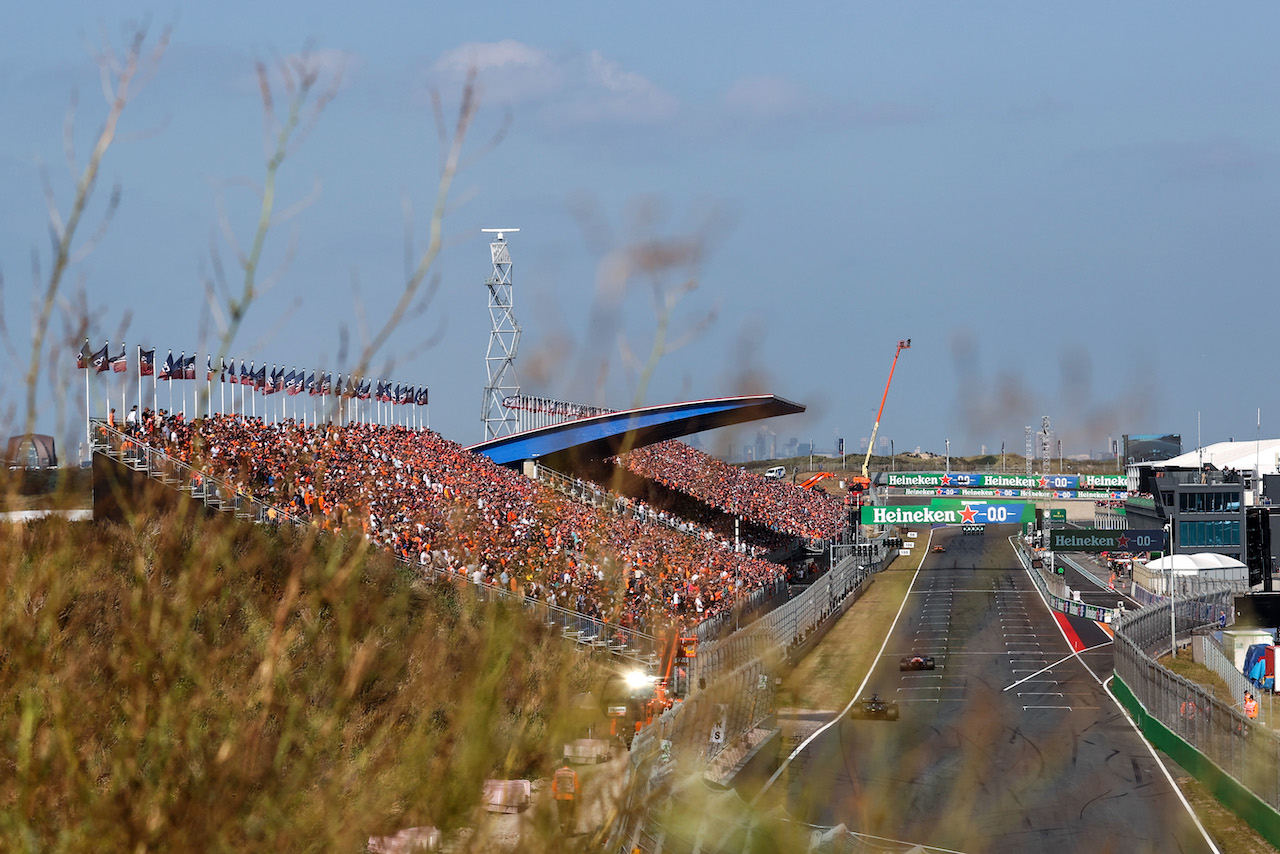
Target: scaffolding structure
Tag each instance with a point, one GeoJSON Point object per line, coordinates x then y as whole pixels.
{"type": "Point", "coordinates": [504, 340]}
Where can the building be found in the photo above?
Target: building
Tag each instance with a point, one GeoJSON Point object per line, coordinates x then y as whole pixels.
{"type": "Point", "coordinates": [31, 452]}
{"type": "Point", "coordinates": [1205, 499]}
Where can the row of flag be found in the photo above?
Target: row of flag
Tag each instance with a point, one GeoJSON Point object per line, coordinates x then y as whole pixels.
{"type": "Point", "coordinates": [268, 382]}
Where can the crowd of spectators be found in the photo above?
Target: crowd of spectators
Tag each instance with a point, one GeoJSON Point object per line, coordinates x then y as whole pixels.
{"type": "Point", "coordinates": [433, 502]}
{"type": "Point", "coordinates": [808, 513]}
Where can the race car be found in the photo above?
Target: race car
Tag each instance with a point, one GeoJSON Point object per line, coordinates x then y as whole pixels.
{"type": "Point", "coordinates": [874, 708]}
{"type": "Point", "coordinates": [916, 662]}
{"type": "Point", "coordinates": [939, 549]}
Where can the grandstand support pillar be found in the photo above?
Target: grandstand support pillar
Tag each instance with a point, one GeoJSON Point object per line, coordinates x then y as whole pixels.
{"type": "Point", "coordinates": [504, 339]}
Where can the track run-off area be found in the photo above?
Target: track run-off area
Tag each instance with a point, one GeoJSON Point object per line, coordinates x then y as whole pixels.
{"type": "Point", "coordinates": [1011, 744]}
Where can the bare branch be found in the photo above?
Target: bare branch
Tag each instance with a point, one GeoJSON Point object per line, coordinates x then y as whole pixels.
{"type": "Point", "coordinates": [69, 135]}
{"type": "Point", "coordinates": [113, 203]}
{"type": "Point", "coordinates": [116, 77]}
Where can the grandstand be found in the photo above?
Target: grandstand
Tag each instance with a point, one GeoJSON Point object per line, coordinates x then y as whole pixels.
{"type": "Point", "coordinates": [438, 505]}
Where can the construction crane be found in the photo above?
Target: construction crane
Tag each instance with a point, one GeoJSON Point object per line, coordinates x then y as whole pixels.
{"type": "Point", "coordinates": [866, 479]}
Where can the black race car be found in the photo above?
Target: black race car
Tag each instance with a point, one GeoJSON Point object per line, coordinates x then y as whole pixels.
{"type": "Point", "coordinates": [874, 708]}
{"type": "Point", "coordinates": [916, 662]}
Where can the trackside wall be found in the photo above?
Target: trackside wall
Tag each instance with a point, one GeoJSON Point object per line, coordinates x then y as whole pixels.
{"type": "Point", "coordinates": [1235, 757]}
{"type": "Point", "coordinates": [1234, 795]}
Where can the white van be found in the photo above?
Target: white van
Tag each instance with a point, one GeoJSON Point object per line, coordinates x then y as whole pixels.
{"type": "Point", "coordinates": [776, 472]}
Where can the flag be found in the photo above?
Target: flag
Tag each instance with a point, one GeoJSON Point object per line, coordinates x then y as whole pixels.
{"type": "Point", "coordinates": [146, 362]}
{"type": "Point", "coordinates": [326, 384]}
{"type": "Point", "coordinates": [166, 370]}
{"type": "Point", "coordinates": [209, 365]}
{"type": "Point", "coordinates": [312, 388]}
{"type": "Point", "coordinates": [260, 378]}
{"type": "Point", "coordinates": [270, 387]}
{"type": "Point", "coordinates": [363, 393]}
{"type": "Point", "coordinates": [422, 396]}
{"type": "Point", "coordinates": [246, 374]}
{"type": "Point", "coordinates": [100, 359]}
{"type": "Point", "coordinates": [189, 368]}
{"type": "Point", "coordinates": [179, 370]}
{"type": "Point", "coordinates": [349, 390]}
{"type": "Point", "coordinates": [291, 381]}
{"type": "Point", "coordinates": [120, 363]}
{"type": "Point", "coordinates": [231, 374]}
{"type": "Point", "coordinates": [84, 356]}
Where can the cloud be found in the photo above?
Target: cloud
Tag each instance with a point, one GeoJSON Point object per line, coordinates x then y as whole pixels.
{"type": "Point", "coordinates": [1218, 159]}
{"type": "Point", "coordinates": [509, 72]}
{"type": "Point", "coordinates": [574, 88]}
{"type": "Point", "coordinates": [770, 100]}
{"type": "Point", "coordinates": [486, 57]}
{"type": "Point", "coordinates": [766, 98]}
{"type": "Point", "coordinates": [602, 91]}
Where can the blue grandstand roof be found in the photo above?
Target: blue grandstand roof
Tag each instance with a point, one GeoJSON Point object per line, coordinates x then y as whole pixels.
{"type": "Point", "coordinates": [600, 437]}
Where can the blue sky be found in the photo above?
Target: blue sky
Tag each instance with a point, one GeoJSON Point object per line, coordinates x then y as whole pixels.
{"type": "Point", "coordinates": [1071, 209]}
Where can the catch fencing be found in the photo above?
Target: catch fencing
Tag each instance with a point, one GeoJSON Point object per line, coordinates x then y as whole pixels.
{"type": "Point", "coordinates": [715, 728]}
{"type": "Point", "coordinates": [1243, 749]}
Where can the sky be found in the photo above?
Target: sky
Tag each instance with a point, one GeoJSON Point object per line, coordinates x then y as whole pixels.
{"type": "Point", "coordinates": [1070, 209]}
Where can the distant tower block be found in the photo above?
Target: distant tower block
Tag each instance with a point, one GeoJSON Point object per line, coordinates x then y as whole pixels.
{"type": "Point", "coordinates": [504, 339]}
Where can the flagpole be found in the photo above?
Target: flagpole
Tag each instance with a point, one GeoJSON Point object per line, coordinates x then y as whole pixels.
{"type": "Point", "coordinates": [222, 382]}
{"type": "Point", "coordinates": [138, 422]}
{"type": "Point", "coordinates": [88, 431]}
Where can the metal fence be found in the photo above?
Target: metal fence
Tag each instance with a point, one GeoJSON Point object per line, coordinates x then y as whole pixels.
{"type": "Point", "coordinates": [1243, 748]}
{"type": "Point", "coordinates": [716, 728]}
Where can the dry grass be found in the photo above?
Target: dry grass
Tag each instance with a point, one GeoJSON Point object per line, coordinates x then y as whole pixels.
{"type": "Point", "coordinates": [828, 676]}
{"type": "Point", "coordinates": [184, 683]}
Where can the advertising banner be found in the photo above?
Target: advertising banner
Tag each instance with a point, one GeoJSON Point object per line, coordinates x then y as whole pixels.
{"type": "Point", "coordinates": [949, 512]}
{"type": "Point", "coordinates": [1006, 481]}
{"type": "Point", "coordinates": [1106, 540]}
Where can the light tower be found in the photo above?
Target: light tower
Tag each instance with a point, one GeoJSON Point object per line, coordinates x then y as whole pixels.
{"type": "Point", "coordinates": [504, 339]}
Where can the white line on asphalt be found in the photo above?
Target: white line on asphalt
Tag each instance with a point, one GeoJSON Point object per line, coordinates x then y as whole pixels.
{"type": "Point", "coordinates": [782, 766]}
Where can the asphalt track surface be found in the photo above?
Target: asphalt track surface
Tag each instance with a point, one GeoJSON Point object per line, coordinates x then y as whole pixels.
{"type": "Point", "coordinates": [1010, 745]}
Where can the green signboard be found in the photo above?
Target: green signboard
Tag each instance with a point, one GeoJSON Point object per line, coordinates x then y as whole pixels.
{"type": "Point", "coordinates": [950, 511]}
{"type": "Point", "coordinates": [1106, 540]}
{"type": "Point", "coordinates": [1057, 514]}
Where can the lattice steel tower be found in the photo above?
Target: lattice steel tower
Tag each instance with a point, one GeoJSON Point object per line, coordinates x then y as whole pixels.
{"type": "Point", "coordinates": [504, 339]}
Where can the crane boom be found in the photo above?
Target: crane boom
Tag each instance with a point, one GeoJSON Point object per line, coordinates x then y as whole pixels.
{"type": "Point", "coordinates": [902, 345]}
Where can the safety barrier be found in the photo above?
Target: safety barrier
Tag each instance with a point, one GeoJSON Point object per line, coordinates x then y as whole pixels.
{"type": "Point", "coordinates": [1097, 613]}
{"type": "Point", "coordinates": [715, 728]}
{"type": "Point", "coordinates": [1235, 757]}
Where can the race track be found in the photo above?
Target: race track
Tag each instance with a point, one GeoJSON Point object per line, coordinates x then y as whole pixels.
{"type": "Point", "coordinates": [1010, 745]}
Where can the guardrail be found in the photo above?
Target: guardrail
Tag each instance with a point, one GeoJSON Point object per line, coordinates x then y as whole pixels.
{"type": "Point", "coordinates": [716, 727]}
{"type": "Point", "coordinates": [1187, 720]}
{"type": "Point", "coordinates": [1057, 602]}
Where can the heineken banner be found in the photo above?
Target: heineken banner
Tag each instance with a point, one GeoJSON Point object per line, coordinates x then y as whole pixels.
{"type": "Point", "coordinates": [950, 512]}
{"type": "Point", "coordinates": [1106, 540]}
{"type": "Point", "coordinates": [1015, 493]}
{"type": "Point", "coordinates": [1008, 481]}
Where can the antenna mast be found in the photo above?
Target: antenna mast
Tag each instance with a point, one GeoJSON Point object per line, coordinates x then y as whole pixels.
{"type": "Point", "coordinates": [504, 339]}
